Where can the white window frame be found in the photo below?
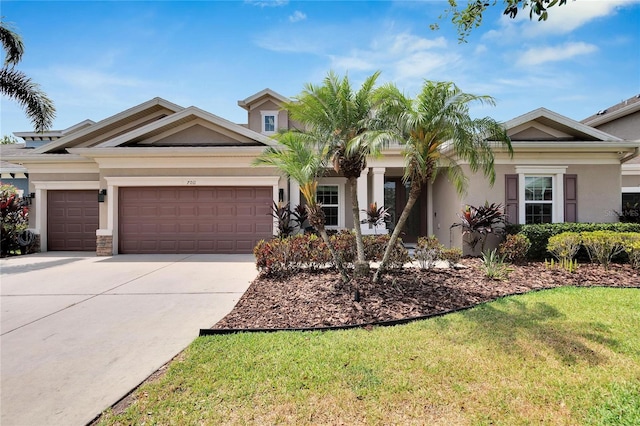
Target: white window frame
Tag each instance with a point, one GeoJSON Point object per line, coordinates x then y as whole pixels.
{"type": "Point", "coordinates": [263, 115]}
{"type": "Point", "coordinates": [557, 179]}
{"type": "Point", "coordinates": [339, 183]}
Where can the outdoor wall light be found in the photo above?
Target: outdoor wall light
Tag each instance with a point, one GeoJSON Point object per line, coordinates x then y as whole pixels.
{"type": "Point", "coordinates": [101, 194]}
{"type": "Point", "coordinates": [29, 197]}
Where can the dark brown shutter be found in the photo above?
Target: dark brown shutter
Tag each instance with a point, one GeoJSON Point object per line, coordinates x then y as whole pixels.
{"type": "Point", "coordinates": [511, 198]}
{"type": "Point", "coordinates": [570, 198]}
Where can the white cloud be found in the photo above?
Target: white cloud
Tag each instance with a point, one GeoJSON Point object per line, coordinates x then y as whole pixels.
{"type": "Point", "coordinates": [541, 55]}
{"type": "Point", "coordinates": [564, 19]}
{"type": "Point", "coordinates": [267, 3]}
{"type": "Point", "coordinates": [297, 16]}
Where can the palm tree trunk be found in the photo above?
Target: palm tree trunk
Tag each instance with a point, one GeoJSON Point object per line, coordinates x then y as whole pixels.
{"type": "Point", "coordinates": [361, 266]}
{"type": "Point", "coordinates": [414, 193]}
{"type": "Point", "coordinates": [336, 258]}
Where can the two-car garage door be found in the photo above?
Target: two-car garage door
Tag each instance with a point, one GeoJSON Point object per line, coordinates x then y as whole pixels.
{"type": "Point", "coordinates": [193, 219]}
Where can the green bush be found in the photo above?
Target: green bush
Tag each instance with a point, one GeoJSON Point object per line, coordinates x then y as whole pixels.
{"type": "Point", "coordinates": [451, 256]}
{"type": "Point", "coordinates": [631, 244]}
{"type": "Point", "coordinates": [539, 234]}
{"type": "Point", "coordinates": [14, 218]}
{"type": "Point", "coordinates": [602, 245]}
{"type": "Point", "coordinates": [565, 246]}
{"type": "Point", "coordinates": [428, 251]}
{"type": "Point", "coordinates": [494, 266]}
{"type": "Point", "coordinates": [285, 256]}
{"type": "Point", "coordinates": [514, 248]}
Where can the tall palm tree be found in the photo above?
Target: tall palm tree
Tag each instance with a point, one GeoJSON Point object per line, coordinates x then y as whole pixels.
{"type": "Point", "coordinates": [436, 130]}
{"type": "Point", "coordinates": [297, 159]}
{"type": "Point", "coordinates": [339, 121]}
{"type": "Point", "coordinates": [16, 85]}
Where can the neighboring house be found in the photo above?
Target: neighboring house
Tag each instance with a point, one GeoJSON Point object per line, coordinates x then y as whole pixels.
{"type": "Point", "coordinates": [623, 120]}
{"type": "Point", "coordinates": [160, 178]}
{"type": "Point", "coordinates": [11, 173]}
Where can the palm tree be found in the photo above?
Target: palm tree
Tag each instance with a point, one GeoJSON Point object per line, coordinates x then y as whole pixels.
{"type": "Point", "coordinates": [297, 159]}
{"type": "Point", "coordinates": [16, 85]}
{"type": "Point", "coordinates": [339, 122]}
{"type": "Point", "coordinates": [436, 130]}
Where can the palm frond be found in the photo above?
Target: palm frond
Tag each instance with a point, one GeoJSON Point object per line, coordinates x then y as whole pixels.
{"type": "Point", "coordinates": [39, 108]}
{"type": "Point", "coordinates": [11, 43]}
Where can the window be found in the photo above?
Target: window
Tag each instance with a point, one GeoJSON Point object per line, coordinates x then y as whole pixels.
{"type": "Point", "coordinates": [269, 121]}
{"type": "Point", "coordinates": [541, 195]}
{"type": "Point", "coordinates": [538, 196]}
{"type": "Point", "coordinates": [328, 197]}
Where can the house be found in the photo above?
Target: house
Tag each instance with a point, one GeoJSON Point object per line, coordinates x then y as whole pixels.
{"type": "Point", "coordinates": [623, 120]}
{"type": "Point", "coordinates": [13, 174]}
{"type": "Point", "coordinates": [162, 178]}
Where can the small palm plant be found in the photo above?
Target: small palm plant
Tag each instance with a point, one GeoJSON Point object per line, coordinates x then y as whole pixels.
{"type": "Point", "coordinates": [376, 216]}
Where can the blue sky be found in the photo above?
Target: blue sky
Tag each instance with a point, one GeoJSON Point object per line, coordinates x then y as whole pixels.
{"type": "Point", "coordinates": [97, 58]}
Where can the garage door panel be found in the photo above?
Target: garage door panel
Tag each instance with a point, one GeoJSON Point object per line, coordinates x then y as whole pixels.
{"type": "Point", "coordinates": [194, 220]}
{"type": "Point", "coordinates": [72, 220]}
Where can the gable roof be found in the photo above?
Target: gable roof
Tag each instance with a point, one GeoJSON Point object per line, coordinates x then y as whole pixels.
{"type": "Point", "coordinates": [110, 124]}
{"type": "Point", "coordinates": [614, 112]}
{"type": "Point", "coordinates": [555, 121]}
{"type": "Point", "coordinates": [182, 119]}
{"type": "Point", "coordinates": [260, 96]}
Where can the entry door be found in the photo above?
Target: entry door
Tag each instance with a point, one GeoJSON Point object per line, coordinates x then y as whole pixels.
{"type": "Point", "coordinates": [396, 194]}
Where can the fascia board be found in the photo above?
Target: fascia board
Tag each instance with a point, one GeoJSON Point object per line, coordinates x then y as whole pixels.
{"type": "Point", "coordinates": [249, 151]}
{"type": "Point", "coordinates": [561, 119]}
{"type": "Point", "coordinates": [245, 103]}
{"type": "Point", "coordinates": [610, 116]}
{"type": "Point", "coordinates": [106, 122]}
{"type": "Point", "coordinates": [190, 111]}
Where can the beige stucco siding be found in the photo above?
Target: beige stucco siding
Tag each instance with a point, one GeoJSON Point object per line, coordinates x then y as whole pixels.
{"type": "Point", "coordinates": [446, 205]}
{"type": "Point", "coordinates": [627, 127]}
{"type": "Point", "coordinates": [198, 135]}
{"type": "Point", "coordinates": [598, 192]}
{"type": "Point", "coordinates": [255, 116]}
{"type": "Point", "coordinates": [631, 180]}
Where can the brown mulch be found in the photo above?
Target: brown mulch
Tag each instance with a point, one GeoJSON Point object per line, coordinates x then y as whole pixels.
{"type": "Point", "coordinates": [319, 299]}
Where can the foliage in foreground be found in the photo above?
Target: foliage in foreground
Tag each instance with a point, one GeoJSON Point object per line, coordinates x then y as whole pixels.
{"type": "Point", "coordinates": [14, 220]}
{"type": "Point", "coordinates": [539, 234]}
{"type": "Point", "coordinates": [286, 256]}
{"type": "Point", "coordinates": [563, 356]}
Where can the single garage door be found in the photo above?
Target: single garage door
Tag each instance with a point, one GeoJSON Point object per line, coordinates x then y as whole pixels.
{"type": "Point", "coordinates": [193, 219]}
{"type": "Point", "coordinates": [72, 220]}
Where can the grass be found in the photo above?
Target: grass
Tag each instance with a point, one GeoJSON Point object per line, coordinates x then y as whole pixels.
{"type": "Point", "coordinates": [566, 356]}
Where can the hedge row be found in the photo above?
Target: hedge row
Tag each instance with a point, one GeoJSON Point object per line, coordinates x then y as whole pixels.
{"type": "Point", "coordinates": [539, 234]}
{"type": "Point", "coordinates": [285, 256]}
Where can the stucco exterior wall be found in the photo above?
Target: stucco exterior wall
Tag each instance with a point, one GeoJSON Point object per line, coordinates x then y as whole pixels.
{"type": "Point", "coordinates": [598, 192]}
{"type": "Point", "coordinates": [255, 116]}
{"type": "Point", "coordinates": [197, 135]}
{"type": "Point", "coordinates": [627, 127]}
{"type": "Point", "coordinates": [446, 205]}
{"type": "Point", "coordinates": [631, 180]}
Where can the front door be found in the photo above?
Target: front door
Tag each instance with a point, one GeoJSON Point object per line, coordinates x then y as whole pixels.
{"type": "Point", "coordinates": [396, 194]}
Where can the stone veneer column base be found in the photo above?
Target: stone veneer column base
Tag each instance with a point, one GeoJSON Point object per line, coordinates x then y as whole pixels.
{"type": "Point", "coordinates": [104, 245]}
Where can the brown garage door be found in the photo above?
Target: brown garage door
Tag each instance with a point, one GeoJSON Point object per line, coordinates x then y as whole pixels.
{"type": "Point", "coordinates": [72, 220]}
{"type": "Point", "coordinates": [193, 219]}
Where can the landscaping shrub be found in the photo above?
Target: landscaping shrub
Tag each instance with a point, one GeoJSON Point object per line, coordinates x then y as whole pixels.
{"type": "Point", "coordinates": [452, 256]}
{"type": "Point", "coordinates": [515, 247]}
{"type": "Point", "coordinates": [428, 251]}
{"type": "Point", "coordinates": [565, 246]}
{"type": "Point", "coordinates": [375, 245]}
{"type": "Point", "coordinates": [539, 234]}
{"type": "Point", "coordinates": [631, 244]}
{"type": "Point", "coordinates": [602, 246]}
{"type": "Point", "coordinates": [479, 222]}
{"type": "Point", "coordinates": [14, 217]}
{"type": "Point", "coordinates": [494, 266]}
{"type": "Point", "coordinates": [285, 256]}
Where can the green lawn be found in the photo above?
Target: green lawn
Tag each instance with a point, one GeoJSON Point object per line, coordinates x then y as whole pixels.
{"type": "Point", "coordinates": [566, 356]}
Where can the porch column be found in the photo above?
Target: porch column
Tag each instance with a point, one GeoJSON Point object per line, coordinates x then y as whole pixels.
{"type": "Point", "coordinates": [294, 194]}
{"type": "Point", "coordinates": [363, 196]}
{"type": "Point", "coordinates": [378, 185]}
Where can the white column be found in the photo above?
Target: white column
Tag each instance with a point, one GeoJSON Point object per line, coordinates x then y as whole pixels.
{"type": "Point", "coordinates": [294, 194]}
{"type": "Point", "coordinates": [378, 185]}
{"type": "Point", "coordinates": [41, 217]}
{"type": "Point", "coordinates": [363, 201]}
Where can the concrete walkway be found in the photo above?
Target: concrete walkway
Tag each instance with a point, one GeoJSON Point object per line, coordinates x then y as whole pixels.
{"type": "Point", "coordinates": [78, 331]}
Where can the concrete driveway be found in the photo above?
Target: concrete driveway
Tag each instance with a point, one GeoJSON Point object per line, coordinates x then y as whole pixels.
{"type": "Point", "coordinates": [80, 331]}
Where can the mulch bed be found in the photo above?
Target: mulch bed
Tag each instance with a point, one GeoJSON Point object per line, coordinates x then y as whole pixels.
{"type": "Point", "coordinates": [319, 299]}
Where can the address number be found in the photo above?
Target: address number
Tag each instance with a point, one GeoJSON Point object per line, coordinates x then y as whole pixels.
{"type": "Point", "coordinates": [191, 182]}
